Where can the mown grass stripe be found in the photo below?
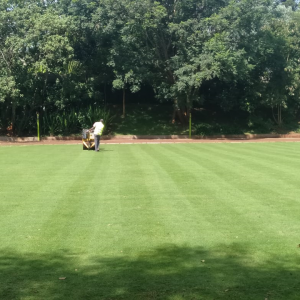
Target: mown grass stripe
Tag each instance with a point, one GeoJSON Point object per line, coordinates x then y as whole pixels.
{"type": "Point", "coordinates": [251, 188]}
{"type": "Point", "coordinates": [279, 177]}
{"type": "Point", "coordinates": [180, 218]}
{"type": "Point", "coordinates": [153, 222]}
{"type": "Point", "coordinates": [211, 192]}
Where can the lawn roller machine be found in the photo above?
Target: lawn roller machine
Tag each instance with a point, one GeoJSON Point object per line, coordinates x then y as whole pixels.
{"type": "Point", "coordinates": [87, 139]}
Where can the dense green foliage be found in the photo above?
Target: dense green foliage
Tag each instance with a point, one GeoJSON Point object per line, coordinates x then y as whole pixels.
{"type": "Point", "coordinates": [176, 221]}
{"type": "Point", "coordinates": [229, 55]}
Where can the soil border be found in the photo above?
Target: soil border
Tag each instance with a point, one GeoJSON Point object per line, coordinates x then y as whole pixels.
{"type": "Point", "coordinates": [153, 139]}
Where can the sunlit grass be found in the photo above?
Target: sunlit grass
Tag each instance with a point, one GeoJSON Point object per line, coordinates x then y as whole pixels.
{"type": "Point", "coordinates": [173, 221]}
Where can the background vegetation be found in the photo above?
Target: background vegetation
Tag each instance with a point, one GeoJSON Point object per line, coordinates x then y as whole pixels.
{"type": "Point", "coordinates": [235, 62]}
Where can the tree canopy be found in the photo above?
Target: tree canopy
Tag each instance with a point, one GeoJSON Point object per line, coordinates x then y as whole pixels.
{"type": "Point", "coordinates": [231, 54]}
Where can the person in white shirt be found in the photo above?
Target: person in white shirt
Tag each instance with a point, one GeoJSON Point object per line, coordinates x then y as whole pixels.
{"type": "Point", "coordinates": [98, 129]}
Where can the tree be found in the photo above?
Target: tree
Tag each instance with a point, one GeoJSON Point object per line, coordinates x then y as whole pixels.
{"type": "Point", "coordinates": [35, 50]}
{"type": "Point", "coordinates": [146, 41]}
{"type": "Point", "coordinates": [290, 3]}
{"type": "Point", "coordinates": [280, 81]}
{"type": "Point", "coordinates": [230, 54]}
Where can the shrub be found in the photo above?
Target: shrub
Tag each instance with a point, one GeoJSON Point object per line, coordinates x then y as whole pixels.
{"type": "Point", "coordinates": [90, 115]}
{"type": "Point", "coordinates": [71, 122]}
{"type": "Point", "coordinates": [258, 124]}
{"type": "Point", "coordinates": [204, 129]}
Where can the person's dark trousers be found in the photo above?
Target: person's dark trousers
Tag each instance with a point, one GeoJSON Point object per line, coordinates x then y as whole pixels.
{"type": "Point", "coordinates": [97, 142]}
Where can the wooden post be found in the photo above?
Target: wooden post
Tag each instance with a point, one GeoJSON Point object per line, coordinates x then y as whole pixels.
{"type": "Point", "coordinates": [38, 125]}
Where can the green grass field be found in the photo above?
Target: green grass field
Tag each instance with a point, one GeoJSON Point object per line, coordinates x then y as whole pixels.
{"type": "Point", "coordinates": [176, 221]}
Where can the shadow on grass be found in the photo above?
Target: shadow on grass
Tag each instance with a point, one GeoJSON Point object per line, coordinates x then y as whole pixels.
{"type": "Point", "coordinates": [169, 272]}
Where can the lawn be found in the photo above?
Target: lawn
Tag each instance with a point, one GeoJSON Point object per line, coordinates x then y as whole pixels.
{"type": "Point", "coordinates": [161, 221]}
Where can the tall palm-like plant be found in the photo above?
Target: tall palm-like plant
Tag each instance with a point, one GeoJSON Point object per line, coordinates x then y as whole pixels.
{"type": "Point", "coordinates": [91, 114]}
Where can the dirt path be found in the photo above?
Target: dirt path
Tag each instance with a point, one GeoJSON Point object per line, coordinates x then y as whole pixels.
{"type": "Point", "coordinates": [152, 141]}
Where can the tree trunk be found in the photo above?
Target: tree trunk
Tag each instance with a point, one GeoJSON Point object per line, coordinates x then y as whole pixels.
{"type": "Point", "coordinates": [188, 111]}
{"type": "Point", "coordinates": [174, 111]}
{"type": "Point", "coordinates": [279, 115]}
{"type": "Point", "coordinates": [180, 113]}
{"type": "Point", "coordinates": [105, 96]}
{"type": "Point", "coordinates": [278, 118]}
{"type": "Point", "coordinates": [188, 106]}
{"type": "Point", "coordinates": [182, 116]}
{"type": "Point", "coordinates": [174, 115]}
{"type": "Point", "coordinates": [13, 116]}
{"type": "Point", "coordinates": [123, 102]}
